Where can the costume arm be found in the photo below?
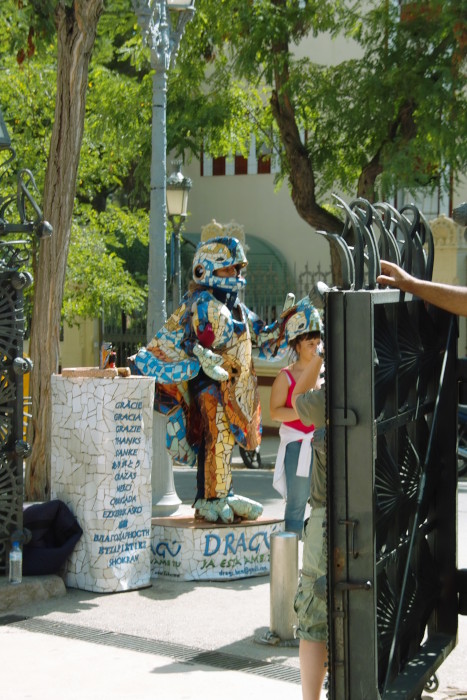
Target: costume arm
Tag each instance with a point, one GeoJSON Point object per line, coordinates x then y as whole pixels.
{"type": "Point", "coordinates": [259, 330]}
{"type": "Point", "coordinates": [163, 371]}
{"type": "Point", "coordinates": [446, 296]}
{"type": "Point", "coordinates": [269, 339]}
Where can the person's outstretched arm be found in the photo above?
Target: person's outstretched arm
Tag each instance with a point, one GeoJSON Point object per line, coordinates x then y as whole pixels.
{"type": "Point", "coordinates": [446, 296]}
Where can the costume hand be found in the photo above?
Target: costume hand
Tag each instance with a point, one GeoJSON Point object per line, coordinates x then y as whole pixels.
{"type": "Point", "coordinates": [287, 311]}
{"type": "Point", "coordinates": [211, 363]}
{"type": "Point", "coordinates": [288, 303]}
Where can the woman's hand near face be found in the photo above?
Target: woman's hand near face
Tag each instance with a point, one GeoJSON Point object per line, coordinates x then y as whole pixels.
{"type": "Point", "coordinates": [308, 348]}
{"type": "Point", "coordinates": [309, 379]}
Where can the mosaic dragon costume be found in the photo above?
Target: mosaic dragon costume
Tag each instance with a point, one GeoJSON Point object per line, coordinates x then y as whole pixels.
{"type": "Point", "coordinates": [206, 384]}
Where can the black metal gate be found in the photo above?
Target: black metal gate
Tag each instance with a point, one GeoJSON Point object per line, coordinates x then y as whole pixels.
{"type": "Point", "coordinates": [392, 492]}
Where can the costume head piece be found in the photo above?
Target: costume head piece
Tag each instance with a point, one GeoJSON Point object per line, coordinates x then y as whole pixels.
{"type": "Point", "coordinates": [302, 318]}
{"type": "Point", "coordinates": [216, 254]}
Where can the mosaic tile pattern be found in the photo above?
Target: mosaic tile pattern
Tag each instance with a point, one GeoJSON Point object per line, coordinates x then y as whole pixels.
{"type": "Point", "coordinates": [230, 410]}
{"type": "Point", "coordinates": [186, 550]}
{"type": "Point", "coordinates": [101, 468]}
{"type": "Point", "coordinates": [199, 408]}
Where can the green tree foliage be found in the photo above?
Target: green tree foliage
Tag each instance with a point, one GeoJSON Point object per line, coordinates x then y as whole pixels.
{"type": "Point", "coordinates": [392, 116]}
{"type": "Point", "coordinates": [111, 169]}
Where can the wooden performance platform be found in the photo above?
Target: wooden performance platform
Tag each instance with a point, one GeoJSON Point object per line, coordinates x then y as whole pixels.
{"type": "Point", "coordinates": [186, 549]}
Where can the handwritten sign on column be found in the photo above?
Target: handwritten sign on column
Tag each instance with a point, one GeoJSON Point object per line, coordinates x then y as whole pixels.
{"type": "Point", "coordinates": [101, 467]}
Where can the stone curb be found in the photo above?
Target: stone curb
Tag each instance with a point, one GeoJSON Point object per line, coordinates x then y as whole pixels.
{"type": "Point", "coordinates": [32, 588]}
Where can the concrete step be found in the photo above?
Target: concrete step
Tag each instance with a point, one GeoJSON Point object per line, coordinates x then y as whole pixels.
{"type": "Point", "coordinates": [32, 588]}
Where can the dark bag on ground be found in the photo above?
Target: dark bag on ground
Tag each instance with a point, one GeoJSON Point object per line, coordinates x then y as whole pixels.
{"type": "Point", "coordinates": [54, 534]}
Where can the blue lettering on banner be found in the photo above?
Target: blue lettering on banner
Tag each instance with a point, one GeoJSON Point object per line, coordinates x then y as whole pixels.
{"type": "Point", "coordinates": [128, 416]}
{"type": "Point", "coordinates": [120, 536]}
{"type": "Point", "coordinates": [124, 560]}
{"type": "Point", "coordinates": [213, 543]}
{"type": "Point", "coordinates": [126, 404]}
{"type": "Point", "coordinates": [163, 548]}
{"type": "Point", "coordinates": [128, 428]}
{"type": "Point", "coordinates": [122, 545]}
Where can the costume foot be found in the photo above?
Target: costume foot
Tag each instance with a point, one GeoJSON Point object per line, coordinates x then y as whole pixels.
{"type": "Point", "coordinates": [245, 507]}
{"type": "Point", "coordinates": [213, 511]}
{"type": "Point", "coordinates": [227, 510]}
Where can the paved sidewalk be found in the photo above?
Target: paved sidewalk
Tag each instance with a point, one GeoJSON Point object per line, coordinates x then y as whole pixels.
{"type": "Point", "coordinates": [172, 641]}
{"type": "Point", "coordinates": [182, 641]}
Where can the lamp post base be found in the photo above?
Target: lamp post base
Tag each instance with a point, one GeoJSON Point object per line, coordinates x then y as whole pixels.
{"type": "Point", "coordinates": [165, 500]}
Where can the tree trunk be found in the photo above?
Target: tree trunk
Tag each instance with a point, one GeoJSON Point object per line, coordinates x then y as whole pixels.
{"type": "Point", "coordinates": [366, 181]}
{"type": "Point", "coordinates": [76, 29]}
{"type": "Point", "coordinates": [301, 176]}
{"type": "Point", "coordinates": [300, 167]}
{"type": "Point", "coordinates": [403, 127]}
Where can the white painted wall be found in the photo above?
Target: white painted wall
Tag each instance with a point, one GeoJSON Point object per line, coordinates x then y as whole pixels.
{"type": "Point", "coordinates": [252, 202]}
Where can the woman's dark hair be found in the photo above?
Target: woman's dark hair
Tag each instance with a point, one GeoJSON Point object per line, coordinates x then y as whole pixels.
{"type": "Point", "coordinates": [304, 336]}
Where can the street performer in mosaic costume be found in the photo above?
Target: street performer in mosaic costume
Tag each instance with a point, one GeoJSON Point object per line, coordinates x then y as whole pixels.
{"type": "Point", "coordinates": [206, 384]}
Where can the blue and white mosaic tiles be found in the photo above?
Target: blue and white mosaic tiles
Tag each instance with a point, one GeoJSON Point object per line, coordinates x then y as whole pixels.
{"type": "Point", "coordinates": [101, 468]}
{"type": "Point", "coordinates": [186, 549]}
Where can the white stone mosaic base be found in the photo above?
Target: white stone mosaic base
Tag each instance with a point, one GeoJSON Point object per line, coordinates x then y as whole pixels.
{"type": "Point", "coordinates": [101, 468]}
{"type": "Point", "coordinates": [188, 550]}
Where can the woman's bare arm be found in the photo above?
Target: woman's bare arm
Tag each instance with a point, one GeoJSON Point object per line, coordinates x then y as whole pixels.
{"type": "Point", "coordinates": [278, 398]}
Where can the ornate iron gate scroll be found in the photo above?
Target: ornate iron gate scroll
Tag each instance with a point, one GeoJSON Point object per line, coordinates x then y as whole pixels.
{"type": "Point", "coordinates": [392, 487]}
{"type": "Point", "coordinates": [12, 368]}
{"type": "Point", "coordinates": [14, 279]}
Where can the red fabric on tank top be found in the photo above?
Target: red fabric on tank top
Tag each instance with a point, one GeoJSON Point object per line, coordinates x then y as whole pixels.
{"type": "Point", "coordinates": [297, 423]}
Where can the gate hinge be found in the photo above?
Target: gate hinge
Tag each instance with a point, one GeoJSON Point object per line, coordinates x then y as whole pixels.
{"type": "Point", "coordinates": [343, 416]}
{"type": "Point", "coordinates": [354, 586]}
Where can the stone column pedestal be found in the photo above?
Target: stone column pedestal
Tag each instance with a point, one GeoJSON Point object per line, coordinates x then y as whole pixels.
{"type": "Point", "coordinates": [101, 468]}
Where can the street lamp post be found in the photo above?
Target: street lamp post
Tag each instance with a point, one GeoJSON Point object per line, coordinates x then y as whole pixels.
{"type": "Point", "coordinates": [162, 23]}
{"type": "Point", "coordinates": [178, 187]}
